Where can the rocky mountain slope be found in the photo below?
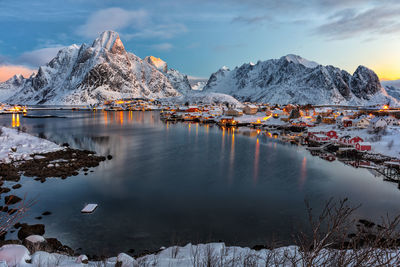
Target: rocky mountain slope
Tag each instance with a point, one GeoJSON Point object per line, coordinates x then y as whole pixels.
{"type": "Point", "coordinates": [9, 87]}
{"type": "Point", "coordinates": [292, 79]}
{"type": "Point", "coordinates": [91, 74]}
{"type": "Point", "coordinates": [392, 88]}
{"type": "Point", "coordinates": [179, 81]}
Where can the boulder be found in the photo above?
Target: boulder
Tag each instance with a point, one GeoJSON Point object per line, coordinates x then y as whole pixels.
{"type": "Point", "coordinates": [27, 230]}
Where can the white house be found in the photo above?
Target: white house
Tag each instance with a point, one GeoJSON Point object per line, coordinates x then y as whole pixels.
{"type": "Point", "coordinates": [391, 121]}
{"type": "Point", "coordinates": [361, 123]}
{"type": "Point", "coordinates": [250, 109]}
{"type": "Point", "coordinates": [377, 122]}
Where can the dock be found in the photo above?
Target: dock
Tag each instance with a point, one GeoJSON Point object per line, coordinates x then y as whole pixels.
{"type": "Point", "coordinates": [89, 208]}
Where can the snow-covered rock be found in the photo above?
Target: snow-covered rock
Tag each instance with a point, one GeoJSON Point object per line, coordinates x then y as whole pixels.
{"type": "Point", "coordinates": [14, 254]}
{"type": "Point", "coordinates": [179, 81]}
{"type": "Point", "coordinates": [126, 260]}
{"type": "Point", "coordinates": [22, 144]}
{"type": "Point", "coordinates": [35, 239]}
{"type": "Point", "coordinates": [292, 79]}
{"type": "Point", "coordinates": [90, 74]}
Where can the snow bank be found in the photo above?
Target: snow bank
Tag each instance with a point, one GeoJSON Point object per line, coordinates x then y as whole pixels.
{"type": "Point", "coordinates": [16, 145]}
{"type": "Point", "coordinates": [14, 254]}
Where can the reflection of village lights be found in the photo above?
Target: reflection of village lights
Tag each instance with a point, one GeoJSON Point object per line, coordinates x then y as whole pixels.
{"type": "Point", "coordinates": [13, 120]}
{"type": "Point", "coordinates": [267, 118]}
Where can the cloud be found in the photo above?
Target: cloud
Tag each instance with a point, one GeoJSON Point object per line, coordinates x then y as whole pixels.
{"type": "Point", "coordinates": [350, 23]}
{"type": "Point", "coordinates": [7, 71]}
{"type": "Point", "coordinates": [162, 47]}
{"type": "Point", "coordinates": [112, 19]}
{"type": "Point", "coordinates": [39, 57]}
{"type": "Point", "coordinates": [130, 23]}
{"type": "Point", "coordinates": [252, 19]}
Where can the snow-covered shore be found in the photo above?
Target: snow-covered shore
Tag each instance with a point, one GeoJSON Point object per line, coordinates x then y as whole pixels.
{"type": "Point", "coordinates": [15, 145]}
{"type": "Point", "coordinates": [211, 254]}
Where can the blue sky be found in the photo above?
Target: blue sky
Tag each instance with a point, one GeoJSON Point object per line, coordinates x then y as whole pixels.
{"type": "Point", "coordinates": [197, 37]}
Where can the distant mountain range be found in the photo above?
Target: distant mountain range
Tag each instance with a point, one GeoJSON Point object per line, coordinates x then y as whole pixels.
{"type": "Point", "coordinates": [89, 74]}
{"type": "Point", "coordinates": [293, 79]}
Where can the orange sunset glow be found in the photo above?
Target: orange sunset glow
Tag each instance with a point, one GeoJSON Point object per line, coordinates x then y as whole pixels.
{"type": "Point", "coordinates": [6, 72]}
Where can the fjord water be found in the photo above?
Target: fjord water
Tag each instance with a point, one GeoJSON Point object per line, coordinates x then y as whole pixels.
{"type": "Point", "coordinates": [177, 183]}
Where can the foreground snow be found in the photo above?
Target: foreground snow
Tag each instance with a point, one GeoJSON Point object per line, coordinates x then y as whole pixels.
{"type": "Point", "coordinates": [16, 145]}
{"type": "Point", "coordinates": [212, 254]}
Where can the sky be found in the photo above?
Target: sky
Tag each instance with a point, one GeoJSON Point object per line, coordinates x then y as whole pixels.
{"type": "Point", "coordinates": [197, 37]}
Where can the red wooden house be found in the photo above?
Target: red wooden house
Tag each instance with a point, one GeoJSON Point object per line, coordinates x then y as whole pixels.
{"type": "Point", "coordinates": [363, 146]}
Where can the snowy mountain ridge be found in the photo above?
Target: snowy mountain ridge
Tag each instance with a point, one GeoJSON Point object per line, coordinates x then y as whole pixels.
{"type": "Point", "coordinates": [292, 79]}
{"type": "Point", "coordinates": [91, 74]}
{"type": "Point", "coordinates": [392, 88]}
{"type": "Point", "coordinates": [179, 81]}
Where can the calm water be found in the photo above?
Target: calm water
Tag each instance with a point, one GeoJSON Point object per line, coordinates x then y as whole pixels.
{"type": "Point", "coordinates": [179, 183]}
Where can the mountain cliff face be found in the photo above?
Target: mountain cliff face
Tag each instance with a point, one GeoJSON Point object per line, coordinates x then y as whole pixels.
{"type": "Point", "coordinates": [392, 88]}
{"type": "Point", "coordinates": [9, 87]}
{"type": "Point", "coordinates": [92, 74]}
{"type": "Point", "coordinates": [179, 81]}
{"type": "Point", "coordinates": [292, 79]}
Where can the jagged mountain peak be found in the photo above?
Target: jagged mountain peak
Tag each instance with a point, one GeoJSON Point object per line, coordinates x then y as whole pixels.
{"type": "Point", "coordinates": [110, 41]}
{"type": "Point", "coordinates": [157, 62]}
{"type": "Point", "coordinates": [300, 60]}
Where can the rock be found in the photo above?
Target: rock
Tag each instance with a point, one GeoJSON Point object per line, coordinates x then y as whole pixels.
{"type": "Point", "coordinates": [124, 260]}
{"type": "Point", "coordinates": [11, 199]}
{"type": "Point", "coordinates": [109, 157]}
{"type": "Point", "coordinates": [4, 190]}
{"type": "Point", "coordinates": [65, 145]}
{"type": "Point", "coordinates": [17, 225]}
{"type": "Point", "coordinates": [16, 186]}
{"type": "Point", "coordinates": [34, 243]}
{"type": "Point", "coordinates": [27, 230]}
{"type": "Point", "coordinates": [3, 209]}
{"type": "Point", "coordinates": [38, 217]}
{"type": "Point", "coordinates": [82, 259]}
{"type": "Point", "coordinates": [12, 211]}
{"type": "Point", "coordinates": [55, 246]}
{"type": "Point", "coordinates": [46, 213]}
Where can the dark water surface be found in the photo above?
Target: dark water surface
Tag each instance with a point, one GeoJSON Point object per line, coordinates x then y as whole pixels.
{"type": "Point", "coordinates": [180, 183]}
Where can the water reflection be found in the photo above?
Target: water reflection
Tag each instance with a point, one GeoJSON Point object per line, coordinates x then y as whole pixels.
{"type": "Point", "coordinates": [303, 173]}
{"type": "Point", "coordinates": [15, 120]}
{"type": "Point", "coordinates": [256, 159]}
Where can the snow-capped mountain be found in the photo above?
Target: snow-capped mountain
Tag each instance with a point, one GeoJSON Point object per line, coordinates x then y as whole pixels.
{"type": "Point", "coordinates": [392, 88]}
{"type": "Point", "coordinates": [197, 83]}
{"type": "Point", "coordinates": [292, 79]}
{"type": "Point", "coordinates": [9, 87]}
{"type": "Point", "coordinates": [93, 73]}
{"type": "Point", "coordinates": [178, 80]}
